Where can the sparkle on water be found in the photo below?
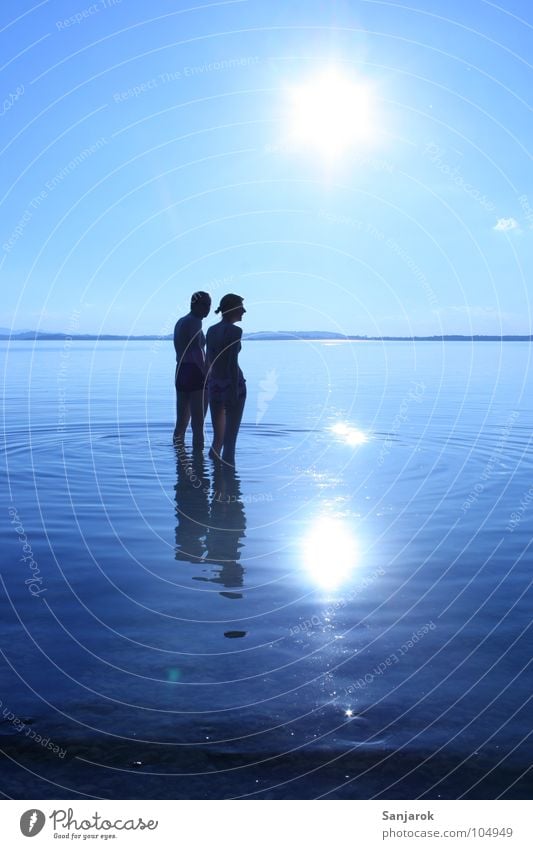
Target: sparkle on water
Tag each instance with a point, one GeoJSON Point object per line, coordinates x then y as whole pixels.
{"type": "Point", "coordinates": [330, 553]}
{"type": "Point", "coordinates": [350, 435]}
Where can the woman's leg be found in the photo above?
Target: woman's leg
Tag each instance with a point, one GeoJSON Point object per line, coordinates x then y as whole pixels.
{"type": "Point", "coordinates": [218, 419]}
{"type": "Point", "coordinates": [197, 419]}
{"type": "Point", "coordinates": [183, 415]}
{"type": "Point", "coordinates": [233, 422]}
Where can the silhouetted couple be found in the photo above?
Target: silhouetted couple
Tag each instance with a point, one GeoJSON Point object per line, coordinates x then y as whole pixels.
{"type": "Point", "coordinates": [207, 372]}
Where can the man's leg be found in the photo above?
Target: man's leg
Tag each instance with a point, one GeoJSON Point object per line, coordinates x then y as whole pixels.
{"type": "Point", "coordinates": [183, 415]}
{"type": "Point", "coordinates": [197, 419]}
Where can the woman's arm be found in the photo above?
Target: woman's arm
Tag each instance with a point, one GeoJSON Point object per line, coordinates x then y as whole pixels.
{"type": "Point", "coordinates": [233, 362]}
{"type": "Point", "coordinates": [207, 357]}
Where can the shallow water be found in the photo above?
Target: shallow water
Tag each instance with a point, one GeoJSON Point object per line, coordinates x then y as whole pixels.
{"type": "Point", "coordinates": [345, 616]}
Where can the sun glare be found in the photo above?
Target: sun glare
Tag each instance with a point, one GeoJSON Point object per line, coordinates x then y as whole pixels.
{"type": "Point", "coordinates": [331, 113]}
{"type": "Point", "coordinates": [329, 552]}
{"type": "Point", "coordinates": [350, 435]}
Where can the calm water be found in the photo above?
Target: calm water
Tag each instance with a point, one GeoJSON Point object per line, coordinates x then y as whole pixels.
{"type": "Point", "coordinates": [345, 617]}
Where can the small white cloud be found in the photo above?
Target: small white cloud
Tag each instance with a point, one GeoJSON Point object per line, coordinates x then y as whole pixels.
{"type": "Point", "coordinates": [505, 224]}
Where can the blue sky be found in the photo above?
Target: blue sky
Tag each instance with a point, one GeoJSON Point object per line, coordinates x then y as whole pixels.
{"type": "Point", "coordinates": [144, 155]}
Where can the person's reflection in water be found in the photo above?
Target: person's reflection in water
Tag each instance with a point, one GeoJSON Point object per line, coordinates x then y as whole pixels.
{"type": "Point", "coordinates": [210, 523]}
{"type": "Point", "coordinates": [227, 525]}
{"type": "Point", "coordinates": [192, 505]}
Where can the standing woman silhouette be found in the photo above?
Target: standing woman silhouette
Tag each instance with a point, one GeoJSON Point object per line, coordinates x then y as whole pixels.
{"type": "Point", "coordinates": [226, 384]}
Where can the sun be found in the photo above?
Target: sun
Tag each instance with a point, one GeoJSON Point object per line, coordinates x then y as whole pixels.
{"type": "Point", "coordinates": [331, 113]}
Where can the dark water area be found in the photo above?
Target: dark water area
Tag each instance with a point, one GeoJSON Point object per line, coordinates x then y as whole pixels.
{"type": "Point", "coordinates": [347, 615]}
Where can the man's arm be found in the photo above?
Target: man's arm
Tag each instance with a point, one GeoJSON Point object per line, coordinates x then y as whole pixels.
{"type": "Point", "coordinates": [195, 344]}
{"type": "Point", "coordinates": [188, 341]}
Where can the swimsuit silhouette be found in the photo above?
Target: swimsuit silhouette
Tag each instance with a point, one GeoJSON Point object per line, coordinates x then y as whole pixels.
{"type": "Point", "coordinates": [226, 384]}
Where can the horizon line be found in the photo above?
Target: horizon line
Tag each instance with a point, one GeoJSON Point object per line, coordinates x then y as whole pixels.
{"type": "Point", "coordinates": [262, 335]}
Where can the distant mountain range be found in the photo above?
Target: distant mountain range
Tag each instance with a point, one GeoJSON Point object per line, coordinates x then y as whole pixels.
{"type": "Point", "coordinates": [266, 335]}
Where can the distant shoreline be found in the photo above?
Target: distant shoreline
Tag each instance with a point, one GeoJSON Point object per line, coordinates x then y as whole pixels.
{"type": "Point", "coordinates": [265, 336]}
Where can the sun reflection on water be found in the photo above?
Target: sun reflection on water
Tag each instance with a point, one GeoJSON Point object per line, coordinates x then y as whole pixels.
{"type": "Point", "coordinates": [349, 434]}
{"type": "Point", "coordinates": [330, 552]}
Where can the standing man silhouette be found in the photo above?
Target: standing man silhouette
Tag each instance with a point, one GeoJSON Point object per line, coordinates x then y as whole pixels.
{"type": "Point", "coordinates": [190, 378]}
